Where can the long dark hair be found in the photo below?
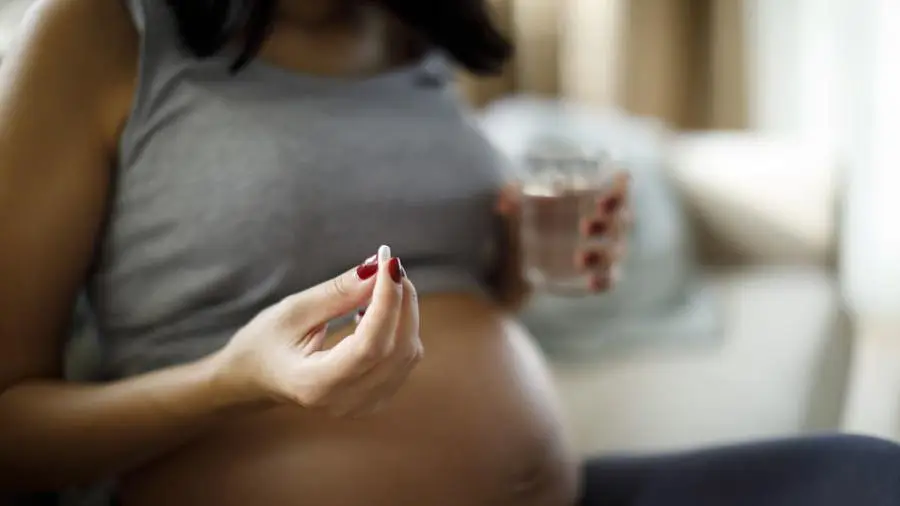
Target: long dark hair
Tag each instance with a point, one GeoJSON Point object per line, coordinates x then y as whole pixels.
{"type": "Point", "coordinates": [462, 28]}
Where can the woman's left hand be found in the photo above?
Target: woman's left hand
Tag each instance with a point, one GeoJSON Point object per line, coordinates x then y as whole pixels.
{"type": "Point", "coordinates": [611, 221]}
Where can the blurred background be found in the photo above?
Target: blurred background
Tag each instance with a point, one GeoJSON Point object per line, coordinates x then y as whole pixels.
{"type": "Point", "coordinates": [782, 149]}
{"type": "Point", "coordinates": [763, 299]}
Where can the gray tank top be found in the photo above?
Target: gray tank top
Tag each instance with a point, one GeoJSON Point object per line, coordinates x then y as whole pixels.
{"type": "Point", "coordinates": [234, 191]}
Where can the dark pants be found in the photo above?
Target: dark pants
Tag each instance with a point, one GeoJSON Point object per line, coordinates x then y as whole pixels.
{"type": "Point", "coordinates": [817, 471]}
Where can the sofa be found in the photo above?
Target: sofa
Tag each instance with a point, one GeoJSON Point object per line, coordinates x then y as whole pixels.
{"type": "Point", "coordinates": [763, 215]}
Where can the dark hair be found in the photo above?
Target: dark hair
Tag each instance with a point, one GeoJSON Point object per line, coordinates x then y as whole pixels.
{"type": "Point", "coordinates": [462, 28]}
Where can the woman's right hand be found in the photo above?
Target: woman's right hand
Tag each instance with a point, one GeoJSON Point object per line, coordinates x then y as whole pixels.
{"type": "Point", "coordinates": [280, 356]}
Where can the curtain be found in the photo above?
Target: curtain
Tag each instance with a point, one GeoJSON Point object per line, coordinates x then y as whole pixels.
{"type": "Point", "coordinates": [870, 31]}
{"type": "Point", "coordinates": [679, 60]}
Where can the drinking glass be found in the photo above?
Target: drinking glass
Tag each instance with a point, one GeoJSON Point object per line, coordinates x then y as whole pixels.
{"type": "Point", "coordinates": [559, 198]}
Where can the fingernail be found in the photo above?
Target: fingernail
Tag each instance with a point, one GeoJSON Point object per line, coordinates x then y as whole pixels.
{"type": "Point", "coordinates": [591, 259]}
{"type": "Point", "coordinates": [611, 204]}
{"type": "Point", "coordinates": [396, 270]}
{"type": "Point", "coordinates": [384, 253]}
{"type": "Point", "coordinates": [367, 269]}
{"type": "Point", "coordinates": [596, 228]}
{"type": "Point", "coordinates": [359, 315]}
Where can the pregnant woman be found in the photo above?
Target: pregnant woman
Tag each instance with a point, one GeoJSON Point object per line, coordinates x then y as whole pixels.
{"type": "Point", "coordinates": [205, 170]}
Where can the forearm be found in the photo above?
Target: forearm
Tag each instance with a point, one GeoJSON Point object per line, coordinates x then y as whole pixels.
{"type": "Point", "coordinates": [55, 434]}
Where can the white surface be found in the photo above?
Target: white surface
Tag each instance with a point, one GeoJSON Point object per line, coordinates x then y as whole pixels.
{"type": "Point", "coordinates": [777, 369]}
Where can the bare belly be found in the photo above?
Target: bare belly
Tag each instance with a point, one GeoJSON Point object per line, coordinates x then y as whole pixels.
{"type": "Point", "coordinates": [476, 424]}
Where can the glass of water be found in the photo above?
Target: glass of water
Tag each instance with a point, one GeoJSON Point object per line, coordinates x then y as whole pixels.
{"type": "Point", "coordinates": [559, 198]}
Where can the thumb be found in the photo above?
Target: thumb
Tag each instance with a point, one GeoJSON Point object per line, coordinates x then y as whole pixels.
{"type": "Point", "coordinates": [336, 296]}
{"type": "Point", "coordinates": [509, 200]}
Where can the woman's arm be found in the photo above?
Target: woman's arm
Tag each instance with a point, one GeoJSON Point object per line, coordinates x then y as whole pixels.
{"type": "Point", "coordinates": [64, 95]}
{"type": "Point", "coordinates": [54, 434]}
{"type": "Point", "coordinates": [62, 91]}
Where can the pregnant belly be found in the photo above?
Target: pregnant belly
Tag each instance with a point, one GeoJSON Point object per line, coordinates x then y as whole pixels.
{"type": "Point", "coordinates": [476, 424]}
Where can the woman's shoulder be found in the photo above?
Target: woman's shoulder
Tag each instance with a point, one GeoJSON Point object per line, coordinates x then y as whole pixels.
{"type": "Point", "coordinates": [91, 46]}
{"type": "Point", "coordinates": [100, 28]}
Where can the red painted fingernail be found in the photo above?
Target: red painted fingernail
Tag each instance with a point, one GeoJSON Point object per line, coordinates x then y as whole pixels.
{"type": "Point", "coordinates": [367, 269]}
{"type": "Point", "coordinates": [591, 259]}
{"type": "Point", "coordinates": [395, 268]}
{"type": "Point", "coordinates": [611, 204]}
{"type": "Point", "coordinates": [361, 313]}
{"type": "Point", "coordinates": [597, 228]}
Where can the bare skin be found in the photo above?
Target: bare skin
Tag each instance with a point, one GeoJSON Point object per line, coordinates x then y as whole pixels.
{"type": "Point", "coordinates": [475, 424]}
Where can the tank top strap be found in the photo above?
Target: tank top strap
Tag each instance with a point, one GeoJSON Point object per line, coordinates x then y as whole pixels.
{"type": "Point", "coordinates": [137, 10]}
{"type": "Point", "coordinates": [153, 22]}
{"type": "Point", "coordinates": [160, 59]}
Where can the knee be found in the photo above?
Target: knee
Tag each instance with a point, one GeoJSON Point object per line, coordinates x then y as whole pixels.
{"type": "Point", "coordinates": [865, 447]}
{"type": "Point", "coordinates": [863, 456]}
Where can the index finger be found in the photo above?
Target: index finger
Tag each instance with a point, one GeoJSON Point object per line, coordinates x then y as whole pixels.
{"type": "Point", "coordinates": [374, 336]}
{"type": "Point", "coordinates": [380, 321]}
{"type": "Point", "coordinates": [332, 298]}
{"type": "Point", "coordinates": [509, 199]}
